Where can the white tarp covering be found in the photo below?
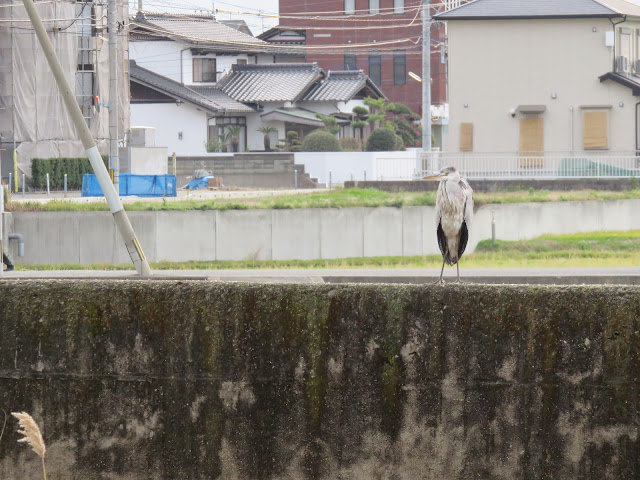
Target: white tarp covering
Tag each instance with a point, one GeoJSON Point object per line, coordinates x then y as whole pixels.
{"type": "Point", "coordinates": [40, 122]}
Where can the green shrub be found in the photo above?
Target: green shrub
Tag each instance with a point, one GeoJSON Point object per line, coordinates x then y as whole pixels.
{"type": "Point", "coordinates": [75, 168]}
{"type": "Point", "coordinates": [349, 144]}
{"type": "Point", "coordinates": [399, 145]}
{"type": "Point", "coordinates": [381, 140]}
{"type": "Point", "coordinates": [320, 141]}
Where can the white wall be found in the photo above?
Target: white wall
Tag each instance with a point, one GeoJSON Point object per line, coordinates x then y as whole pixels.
{"type": "Point", "coordinates": [169, 119]}
{"type": "Point", "coordinates": [161, 57]}
{"type": "Point", "coordinates": [496, 65]}
{"type": "Point", "coordinates": [345, 166]}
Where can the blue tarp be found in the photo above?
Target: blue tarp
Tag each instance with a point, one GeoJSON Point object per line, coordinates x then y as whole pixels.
{"type": "Point", "coordinates": [138, 185]}
{"type": "Point", "coordinates": [200, 182]}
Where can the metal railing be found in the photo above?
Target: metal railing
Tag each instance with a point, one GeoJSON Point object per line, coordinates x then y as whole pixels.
{"type": "Point", "coordinates": [535, 165]}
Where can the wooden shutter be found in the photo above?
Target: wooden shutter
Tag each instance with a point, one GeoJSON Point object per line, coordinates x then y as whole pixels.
{"type": "Point", "coordinates": [594, 130]}
{"type": "Point", "coordinates": [531, 142]}
{"type": "Point", "coordinates": [466, 137]}
{"type": "Point", "coordinates": [197, 69]}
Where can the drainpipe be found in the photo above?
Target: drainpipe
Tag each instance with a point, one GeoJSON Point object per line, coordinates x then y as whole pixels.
{"type": "Point", "coordinates": [637, 126]}
{"type": "Point", "coordinates": [181, 73]}
{"type": "Point", "coordinates": [624, 19]}
{"type": "Point", "coordinates": [18, 236]}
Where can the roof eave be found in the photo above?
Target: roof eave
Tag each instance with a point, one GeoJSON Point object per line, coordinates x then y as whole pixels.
{"type": "Point", "coordinates": [174, 95]}
{"type": "Point", "coordinates": [625, 82]}
{"type": "Point", "coordinates": [443, 16]}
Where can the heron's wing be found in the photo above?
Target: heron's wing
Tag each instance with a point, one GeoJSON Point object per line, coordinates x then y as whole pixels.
{"type": "Point", "coordinates": [464, 237]}
{"type": "Point", "coordinates": [439, 201]}
{"type": "Point", "coordinates": [442, 240]}
{"type": "Point", "coordinates": [468, 206]}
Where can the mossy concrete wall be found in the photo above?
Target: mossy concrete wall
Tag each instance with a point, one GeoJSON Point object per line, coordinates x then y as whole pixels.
{"type": "Point", "coordinates": [195, 380]}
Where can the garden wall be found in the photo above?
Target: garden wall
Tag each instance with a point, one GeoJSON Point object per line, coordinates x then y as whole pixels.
{"type": "Point", "coordinates": [191, 380]}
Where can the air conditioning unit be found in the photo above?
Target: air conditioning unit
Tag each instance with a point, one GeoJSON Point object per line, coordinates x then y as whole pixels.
{"type": "Point", "coordinates": [637, 67]}
{"type": "Point", "coordinates": [622, 64]}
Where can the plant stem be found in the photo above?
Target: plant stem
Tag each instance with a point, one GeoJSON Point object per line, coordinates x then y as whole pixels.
{"type": "Point", "coordinates": [44, 470]}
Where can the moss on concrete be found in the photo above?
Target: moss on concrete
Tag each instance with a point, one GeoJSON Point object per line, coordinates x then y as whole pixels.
{"type": "Point", "coordinates": [187, 380]}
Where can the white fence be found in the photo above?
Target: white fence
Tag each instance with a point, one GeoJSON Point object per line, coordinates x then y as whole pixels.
{"type": "Point", "coordinates": [551, 165]}
{"type": "Point", "coordinates": [339, 167]}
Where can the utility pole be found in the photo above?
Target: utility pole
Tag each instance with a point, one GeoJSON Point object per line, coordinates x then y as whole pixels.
{"type": "Point", "coordinates": [112, 23]}
{"type": "Point", "coordinates": [113, 200]}
{"type": "Point", "coordinates": [426, 76]}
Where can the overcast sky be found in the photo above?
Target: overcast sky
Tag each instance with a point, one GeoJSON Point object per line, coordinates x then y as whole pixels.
{"type": "Point", "coordinates": [256, 24]}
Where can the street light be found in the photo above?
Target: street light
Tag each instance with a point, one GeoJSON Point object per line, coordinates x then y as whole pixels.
{"type": "Point", "coordinates": [415, 77]}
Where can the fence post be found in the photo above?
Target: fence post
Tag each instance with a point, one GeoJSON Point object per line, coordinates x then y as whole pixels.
{"type": "Point", "coordinates": [173, 158]}
{"type": "Point", "coordinates": [329, 179]}
{"type": "Point", "coordinates": [23, 184]}
{"type": "Point", "coordinates": [295, 178]}
{"type": "Point", "coordinates": [365, 175]}
{"type": "Point", "coordinates": [10, 187]}
{"type": "Point", "coordinates": [48, 189]}
{"type": "Point", "coordinates": [65, 185]}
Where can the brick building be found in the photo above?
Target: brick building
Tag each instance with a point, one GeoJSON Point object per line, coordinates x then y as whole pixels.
{"type": "Point", "coordinates": [392, 31]}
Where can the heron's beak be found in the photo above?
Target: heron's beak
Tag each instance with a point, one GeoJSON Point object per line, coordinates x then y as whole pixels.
{"type": "Point", "coordinates": [435, 176]}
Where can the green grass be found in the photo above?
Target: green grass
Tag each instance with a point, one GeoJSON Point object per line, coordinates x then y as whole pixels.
{"type": "Point", "coordinates": [337, 198]}
{"type": "Point", "coordinates": [597, 249]}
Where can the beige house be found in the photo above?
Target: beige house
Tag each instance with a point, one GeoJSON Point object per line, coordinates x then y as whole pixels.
{"type": "Point", "coordinates": [542, 82]}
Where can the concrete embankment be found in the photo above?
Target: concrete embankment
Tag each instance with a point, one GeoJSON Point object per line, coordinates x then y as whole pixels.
{"type": "Point", "coordinates": [91, 237]}
{"type": "Point", "coordinates": [193, 380]}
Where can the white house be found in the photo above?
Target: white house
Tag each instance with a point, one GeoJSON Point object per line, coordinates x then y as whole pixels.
{"type": "Point", "coordinates": [542, 81]}
{"type": "Point", "coordinates": [193, 78]}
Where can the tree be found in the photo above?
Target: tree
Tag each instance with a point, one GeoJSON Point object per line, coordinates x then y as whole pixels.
{"type": "Point", "coordinates": [360, 121]}
{"type": "Point", "coordinates": [320, 141]}
{"type": "Point", "coordinates": [381, 140]}
{"type": "Point", "coordinates": [330, 123]}
{"type": "Point", "coordinates": [267, 131]}
{"type": "Point", "coordinates": [235, 130]}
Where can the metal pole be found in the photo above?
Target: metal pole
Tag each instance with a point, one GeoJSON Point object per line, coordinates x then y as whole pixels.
{"type": "Point", "coordinates": [112, 20]}
{"type": "Point", "coordinates": [48, 190]}
{"type": "Point", "coordinates": [173, 158]}
{"type": "Point", "coordinates": [65, 185]}
{"type": "Point", "coordinates": [426, 76]}
{"type": "Point", "coordinates": [24, 181]}
{"type": "Point", "coordinates": [122, 220]}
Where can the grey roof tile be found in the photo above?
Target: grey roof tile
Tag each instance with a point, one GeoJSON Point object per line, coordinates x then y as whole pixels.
{"type": "Point", "coordinates": [209, 98]}
{"type": "Point", "coordinates": [278, 82]}
{"type": "Point", "coordinates": [342, 85]}
{"type": "Point", "coordinates": [199, 30]}
{"type": "Point", "coordinates": [485, 9]}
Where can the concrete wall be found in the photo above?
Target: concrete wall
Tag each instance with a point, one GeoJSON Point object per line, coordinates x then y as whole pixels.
{"type": "Point", "coordinates": [91, 237]}
{"type": "Point", "coordinates": [192, 380]}
{"type": "Point", "coordinates": [523, 62]}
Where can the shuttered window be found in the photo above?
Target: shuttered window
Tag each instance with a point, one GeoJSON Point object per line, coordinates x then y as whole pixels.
{"type": "Point", "coordinates": [594, 130]}
{"type": "Point", "coordinates": [466, 137]}
{"type": "Point", "coordinates": [399, 67]}
{"type": "Point", "coordinates": [349, 7]}
{"type": "Point", "coordinates": [375, 70]}
{"type": "Point", "coordinates": [531, 142]}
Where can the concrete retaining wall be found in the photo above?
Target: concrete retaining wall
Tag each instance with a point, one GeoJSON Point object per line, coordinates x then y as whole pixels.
{"type": "Point", "coordinates": [193, 380]}
{"type": "Point", "coordinates": [91, 237]}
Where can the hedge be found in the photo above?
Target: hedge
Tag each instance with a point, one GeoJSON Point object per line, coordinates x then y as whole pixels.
{"type": "Point", "coordinates": [75, 168]}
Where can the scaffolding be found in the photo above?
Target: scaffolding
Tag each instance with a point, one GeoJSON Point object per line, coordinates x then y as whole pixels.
{"type": "Point", "coordinates": [33, 118]}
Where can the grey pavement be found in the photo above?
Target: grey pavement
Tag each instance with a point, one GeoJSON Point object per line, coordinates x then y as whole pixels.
{"type": "Point", "coordinates": [563, 276]}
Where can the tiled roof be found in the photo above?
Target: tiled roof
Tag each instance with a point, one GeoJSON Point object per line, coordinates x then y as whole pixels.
{"type": "Point", "coordinates": [199, 30]}
{"type": "Point", "coordinates": [213, 100]}
{"type": "Point", "coordinates": [342, 86]}
{"type": "Point", "coordinates": [492, 9]}
{"type": "Point", "coordinates": [277, 82]}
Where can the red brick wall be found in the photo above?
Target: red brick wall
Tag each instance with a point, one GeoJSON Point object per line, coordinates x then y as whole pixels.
{"type": "Point", "coordinates": [411, 92]}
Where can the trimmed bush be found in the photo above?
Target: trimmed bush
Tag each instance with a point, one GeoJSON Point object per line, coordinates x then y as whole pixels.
{"type": "Point", "coordinates": [349, 144]}
{"type": "Point", "coordinates": [320, 141]}
{"type": "Point", "coordinates": [381, 140]}
{"type": "Point", "coordinates": [399, 143]}
{"type": "Point", "coordinates": [75, 168]}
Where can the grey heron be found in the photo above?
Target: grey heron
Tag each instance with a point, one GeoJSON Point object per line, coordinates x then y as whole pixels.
{"type": "Point", "coordinates": [454, 212]}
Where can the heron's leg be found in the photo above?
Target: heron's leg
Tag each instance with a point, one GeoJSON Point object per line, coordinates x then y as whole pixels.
{"type": "Point", "coordinates": [458, 269]}
{"type": "Point", "coordinates": [440, 281]}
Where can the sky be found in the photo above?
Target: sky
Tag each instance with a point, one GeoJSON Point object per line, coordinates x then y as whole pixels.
{"type": "Point", "coordinates": [256, 24]}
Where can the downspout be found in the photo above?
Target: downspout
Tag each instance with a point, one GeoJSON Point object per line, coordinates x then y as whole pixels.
{"type": "Point", "coordinates": [18, 236]}
{"type": "Point", "coordinates": [624, 19]}
{"type": "Point", "coordinates": [637, 126]}
{"type": "Point", "coordinates": [181, 72]}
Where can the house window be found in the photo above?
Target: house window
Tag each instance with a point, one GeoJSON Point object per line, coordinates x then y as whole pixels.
{"type": "Point", "coordinates": [398, 6]}
{"type": "Point", "coordinates": [595, 129]}
{"type": "Point", "coordinates": [349, 7]}
{"type": "Point", "coordinates": [466, 137]}
{"type": "Point", "coordinates": [350, 62]}
{"type": "Point", "coordinates": [531, 142]}
{"type": "Point", "coordinates": [375, 71]}
{"type": "Point", "coordinates": [241, 61]}
{"type": "Point", "coordinates": [221, 133]}
{"type": "Point", "coordinates": [204, 69]}
{"type": "Point", "coordinates": [374, 7]}
{"type": "Point", "coordinates": [399, 67]}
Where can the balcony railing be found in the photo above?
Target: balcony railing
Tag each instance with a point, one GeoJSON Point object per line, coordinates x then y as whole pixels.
{"type": "Point", "coordinates": [535, 165]}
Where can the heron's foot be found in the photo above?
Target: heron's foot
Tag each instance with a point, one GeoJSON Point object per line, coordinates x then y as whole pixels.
{"type": "Point", "coordinates": [439, 282]}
